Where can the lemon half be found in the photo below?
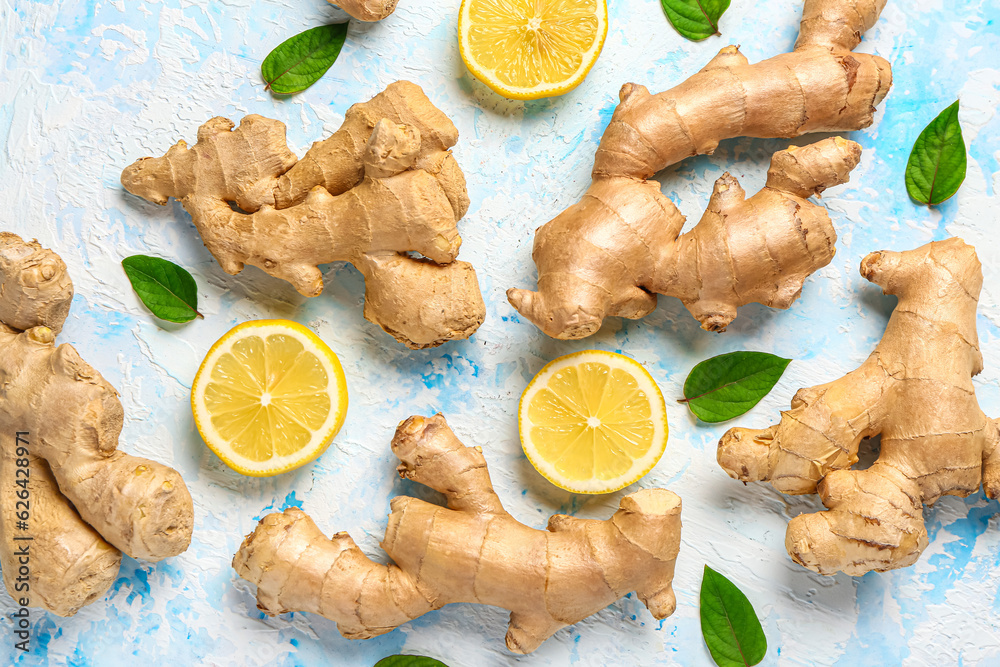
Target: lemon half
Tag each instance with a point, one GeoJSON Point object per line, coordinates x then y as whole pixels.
{"type": "Point", "coordinates": [593, 422]}
{"type": "Point", "coordinates": [526, 49]}
{"type": "Point", "coordinates": [269, 397]}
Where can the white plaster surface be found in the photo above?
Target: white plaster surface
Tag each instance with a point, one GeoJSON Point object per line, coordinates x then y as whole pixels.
{"type": "Point", "coordinates": [86, 87]}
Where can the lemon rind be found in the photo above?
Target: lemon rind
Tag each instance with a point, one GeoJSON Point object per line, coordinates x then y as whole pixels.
{"type": "Point", "coordinates": [588, 60]}
{"type": "Point", "coordinates": [641, 467]}
{"type": "Point", "coordinates": [322, 437]}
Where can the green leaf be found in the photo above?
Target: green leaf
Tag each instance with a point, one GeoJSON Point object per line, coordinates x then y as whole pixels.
{"type": "Point", "coordinates": [936, 167]}
{"type": "Point", "coordinates": [409, 661]}
{"type": "Point", "coordinates": [695, 19]}
{"type": "Point", "coordinates": [166, 289]}
{"type": "Point", "coordinates": [729, 624]}
{"type": "Point", "coordinates": [300, 61]}
{"type": "Point", "coordinates": [728, 385]}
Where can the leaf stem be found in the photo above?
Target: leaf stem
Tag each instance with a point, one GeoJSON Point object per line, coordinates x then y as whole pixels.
{"type": "Point", "coordinates": [714, 26]}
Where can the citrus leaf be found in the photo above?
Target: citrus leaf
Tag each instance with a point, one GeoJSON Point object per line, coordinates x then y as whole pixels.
{"type": "Point", "coordinates": [300, 61]}
{"type": "Point", "coordinates": [729, 624]}
{"type": "Point", "coordinates": [695, 19]}
{"type": "Point", "coordinates": [936, 167]}
{"type": "Point", "coordinates": [728, 385]}
{"type": "Point", "coordinates": [409, 661]}
{"type": "Point", "coordinates": [166, 289]}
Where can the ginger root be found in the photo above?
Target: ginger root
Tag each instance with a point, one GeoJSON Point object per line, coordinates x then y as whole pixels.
{"type": "Point", "coordinates": [916, 391]}
{"type": "Point", "coordinates": [382, 186]}
{"type": "Point", "coordinates": [609, 254]}
{"type": "Point", "coordinates": [743, 250]}
{"type": "Point", "coordinates": [471, 551]}
{"type": "Point", "coordinates": [35, 289]}
{"type": "Point", "coordinates": [366, 10]}
{"type": "Point", "coordinates": [85, 501]}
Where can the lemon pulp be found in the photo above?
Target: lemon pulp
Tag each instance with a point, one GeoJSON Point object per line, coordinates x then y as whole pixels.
{"type": "Point", "coordinates": [593, 422]}
{"type": "Point", "coordinates": [269, 397]}
{"type": "Point", "coordinates": [531, 48]}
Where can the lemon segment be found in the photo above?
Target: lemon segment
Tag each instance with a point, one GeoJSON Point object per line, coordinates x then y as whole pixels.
{"type": "Point", "coordinates": [593, 422]}
{"type": "Point", "coordinates": [526, 49]}
{"type": "Point", "coordinates": [269, 397]}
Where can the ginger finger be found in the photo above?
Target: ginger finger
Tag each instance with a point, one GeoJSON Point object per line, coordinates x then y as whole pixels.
{"type": "Point", "coordinates": [383, 186]}
{"type": "Point", "coordinates": [756, 249]}
{"type": "Point", "coordinates": [366, 10]}
{"type": "Point", "coordinates": [916, 391]}
{"type": "Point", "coordinates": [471, 551]}
{"type": "Point", "coordinates": [141, 507]}
{"type": "Point", "coordinates": [68, 564]}
{"type": "Point", "coordinates": [35, 288]}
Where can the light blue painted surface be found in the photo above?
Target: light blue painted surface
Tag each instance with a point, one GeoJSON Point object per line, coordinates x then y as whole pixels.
{"type": "Point", "coordinates": [87, 87]}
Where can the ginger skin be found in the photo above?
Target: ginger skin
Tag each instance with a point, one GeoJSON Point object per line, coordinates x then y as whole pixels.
{"type": "Point", "coordinates": [916, 391]}
{"type": "Point", "coordinates": [35, 289]}
{"type": "Point", "coordinates": [471, 551]}
{"type": "Point", "coordinates": [366, 10]}
{"type": "Point", "coordinates": [88, 502]}
{"type": "Point", "coordinates": [613, 251]}
{"type": "Point", "coordinates": [649, 257]}
{"type": "Point", "coordinates": [383, 185]}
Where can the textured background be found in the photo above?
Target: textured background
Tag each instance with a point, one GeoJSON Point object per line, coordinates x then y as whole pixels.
{"type": "Point", "coordinates": [88, 87]}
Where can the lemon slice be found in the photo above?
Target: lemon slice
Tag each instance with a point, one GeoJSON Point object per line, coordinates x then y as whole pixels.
{"type": "Point", "coordinates": [526, 49]}
{"type": "Point", "coordinates": [593, 422]}
{"type": "Point", "coordinates": [269, 397]}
